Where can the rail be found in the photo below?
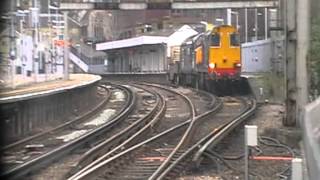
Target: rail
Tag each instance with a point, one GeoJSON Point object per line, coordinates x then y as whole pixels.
{"type": "Point", "coordinates": [125, 134]}
{"type": "Point", "coordinates": [211, 139]}
{"type": "Point", "coordinates": [44, 159]}
{"type": "Point", "coordinates": [100, 166]}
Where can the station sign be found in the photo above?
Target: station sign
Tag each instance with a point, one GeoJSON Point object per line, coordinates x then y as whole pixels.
{"type": "Point", "coordinates": [59, 42]}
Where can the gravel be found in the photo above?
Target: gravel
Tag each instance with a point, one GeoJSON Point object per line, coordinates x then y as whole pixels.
{"type": "Point", "coordinates": [268, 118]}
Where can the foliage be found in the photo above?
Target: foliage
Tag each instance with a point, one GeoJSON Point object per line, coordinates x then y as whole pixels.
{"type": "Point", "coordinates": [315, 55]}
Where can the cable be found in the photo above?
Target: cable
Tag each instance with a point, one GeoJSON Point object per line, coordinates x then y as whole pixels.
{"type": "Point", "coordinates": [268, 141]}
{"type": "Point", "coordinates": [238, 157]}
{"type": "Point", "coordinates": [210, 152]}
{"type": "Point", "coordinates": [277, 143]}
{"type": "Point", "coordinates": [215, 160]}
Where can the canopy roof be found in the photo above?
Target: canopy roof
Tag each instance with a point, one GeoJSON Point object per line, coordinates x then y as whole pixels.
{"type": "Point", "coordinates": [137, 41]}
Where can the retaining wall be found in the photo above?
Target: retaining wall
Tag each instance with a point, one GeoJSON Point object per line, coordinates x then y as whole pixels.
{"type": "Point", "coordinates": [25, 116]}
{"type": "Point", "coordinates": [161, 78]}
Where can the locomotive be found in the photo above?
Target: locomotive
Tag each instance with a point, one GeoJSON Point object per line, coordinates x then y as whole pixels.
{"type": "Point", "coordinates": [210, 60]}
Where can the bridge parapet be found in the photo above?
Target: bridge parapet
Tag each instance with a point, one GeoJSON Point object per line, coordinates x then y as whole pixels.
{"type": "Point", "coordinates": [164, 4]}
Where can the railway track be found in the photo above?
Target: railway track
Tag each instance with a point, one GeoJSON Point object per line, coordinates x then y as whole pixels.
{"type": "Point", "coordinates": [161, 157]}
{"type": "Point", "coordinates": [206, 141]}
{"type": "Point", "coordinates": [167, 147]}
{"type": "Point", "coordinates": [148, 106]}
{"type": "Point", "coordinates": [170, 100]}
{"type": "Point", "coordinates": [115, 142]}
{"type": "Point", "coordinates": [32, 153]}
{"type": "Point", "coordinates": [154, 141]}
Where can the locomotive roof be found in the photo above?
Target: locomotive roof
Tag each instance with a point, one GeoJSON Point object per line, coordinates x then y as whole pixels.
{"type": "Point", "coordinates": [222, 26]}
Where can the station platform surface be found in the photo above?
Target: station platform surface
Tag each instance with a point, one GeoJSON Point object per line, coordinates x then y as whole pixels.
{"type": "Point", "coordinates": [46, 88]}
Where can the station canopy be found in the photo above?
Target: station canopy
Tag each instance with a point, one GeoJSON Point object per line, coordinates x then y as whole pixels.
{"type": "Point", "coordinates": [178, 37]}
{"type": "Point", "coordinates": [137, 41]}
{"type": "Point", "coordinates": [173, 40]}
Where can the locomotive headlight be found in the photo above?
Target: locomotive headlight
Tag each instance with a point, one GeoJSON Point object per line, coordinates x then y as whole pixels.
{"type": "Point", "coordinates": [212, 65]}
{"type": "Point", "coordinates": [238, 65]}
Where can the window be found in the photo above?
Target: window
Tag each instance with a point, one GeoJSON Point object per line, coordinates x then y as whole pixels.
{"type": "Point", "coordinates": [234, 39]}
{"type": "Point", "coordinates": [215, 40]}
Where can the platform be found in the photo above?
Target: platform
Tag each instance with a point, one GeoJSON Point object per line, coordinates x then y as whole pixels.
{"type": "Point", "coordinates": [46, 88]}
{"type": "Point", "coordinates": [267, 87]}
{"type": "Point", "coordinates": [34, 108]}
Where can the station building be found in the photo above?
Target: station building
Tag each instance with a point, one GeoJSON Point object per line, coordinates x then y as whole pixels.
{"type": "Point", "coordinates": [145, 54]}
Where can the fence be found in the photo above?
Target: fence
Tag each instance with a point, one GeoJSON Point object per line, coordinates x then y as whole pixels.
{"type": "Point", "coordinates": [262, 56]}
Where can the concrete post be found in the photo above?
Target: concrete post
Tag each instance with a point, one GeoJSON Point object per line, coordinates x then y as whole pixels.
{"type": "Point", "coordinates": [303, 39]}
{"type": "Point", "coordinates": [289, 10]}
{"type": "Point", "coordinates": [250, 139]}
{"type": "Point", "coordinates": [296, 167]}
{"type": "Point", "coordinates": [297, 29]}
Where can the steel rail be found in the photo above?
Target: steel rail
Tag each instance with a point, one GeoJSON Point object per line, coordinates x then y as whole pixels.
{"type": "Point", "coordinates": [227, 129]}
{"type": "Point", "coordinates": [211, 139]}
{"type": "Point", "coordinates": [91, 172]}
{"type": "Point", "coordinates": [183, 138]}
{"type": "Point", "coordinates": [84, 116]}
{"type": "Point", "coordinates": [34, 164]}
{"type": "Point", "coordinates": [149, 126]}
{"type": "Point", "coordinates": [117, 139]}
{"type": "Point", "coordinates": [100, 166]}
{"type": "Point", "coordinates": [192, 108]}
{"type": "Point", "coordinates": [122, 147]}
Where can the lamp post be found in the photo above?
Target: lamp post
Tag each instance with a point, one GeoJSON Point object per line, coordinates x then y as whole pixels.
{"type": "Point", "coordinates": [237, 18]}
{"type": "Point", "coordinates": [266, 23]}
{"type": "Point", "coordinates": [91, 51]}
{"type": "Point", "coordinates": [66, 46]}
{"type": "Point", "coordinates": [256, 28]}
{"type": "Point", "coordinates": [12, 49]}
{"type": "Point", "coordinates": [246, 24]}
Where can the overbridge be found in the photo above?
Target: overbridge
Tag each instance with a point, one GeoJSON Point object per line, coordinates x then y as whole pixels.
{"type": "Point", "coordinates": [164, 4]}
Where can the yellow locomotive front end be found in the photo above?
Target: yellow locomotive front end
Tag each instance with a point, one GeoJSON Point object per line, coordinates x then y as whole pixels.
{"type": "Point", "coordinates": [224, 53]}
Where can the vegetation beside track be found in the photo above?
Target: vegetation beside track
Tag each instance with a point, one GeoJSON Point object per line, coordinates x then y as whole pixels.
{"type": "Point", "coordinates": [314, 58]}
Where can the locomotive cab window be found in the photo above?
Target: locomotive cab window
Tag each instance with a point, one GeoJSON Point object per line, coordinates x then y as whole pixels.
{"type": "Point", "coordinates": [215, 39]}
{"type": "Point", "coordinates": [234, 39]}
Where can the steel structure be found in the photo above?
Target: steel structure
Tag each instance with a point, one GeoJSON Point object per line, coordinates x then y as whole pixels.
{"type": "Point", "coordinates": [164, 4]}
